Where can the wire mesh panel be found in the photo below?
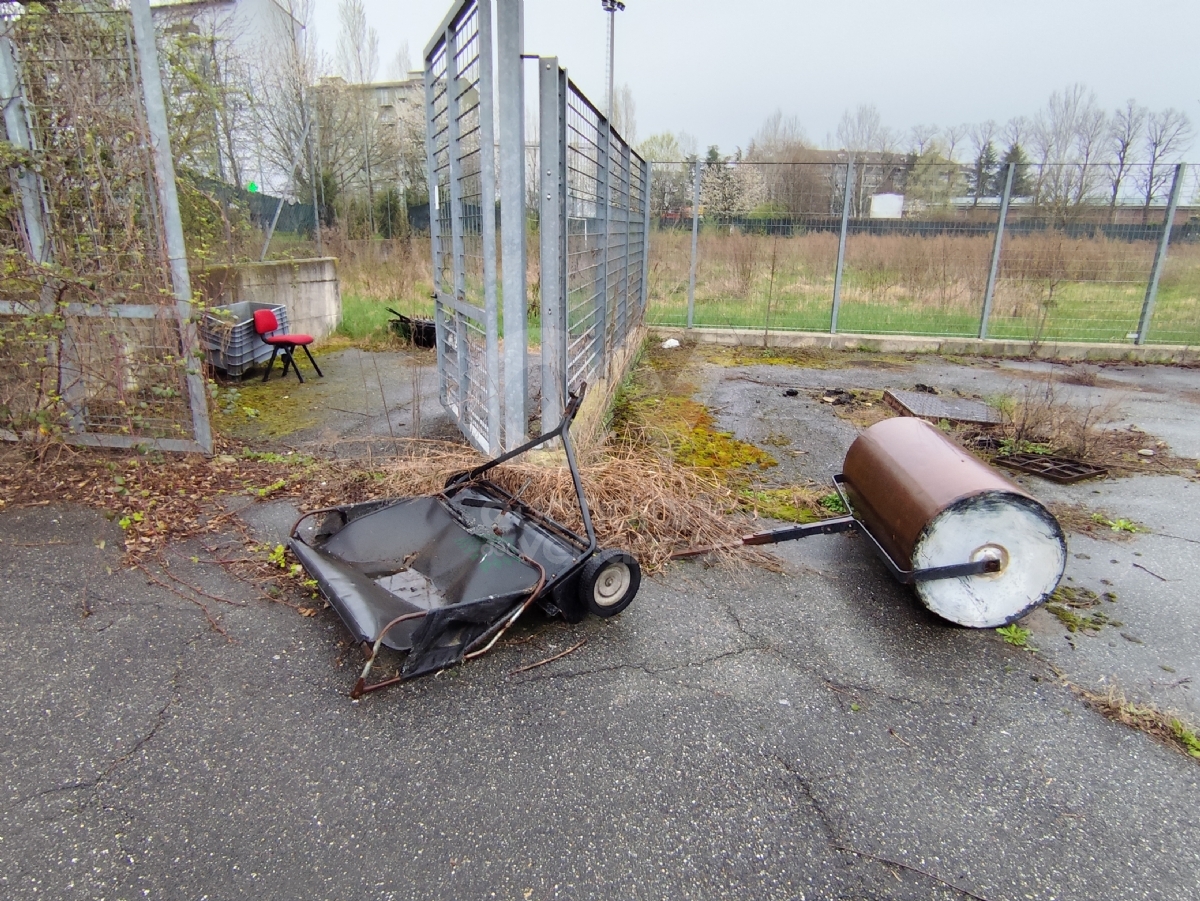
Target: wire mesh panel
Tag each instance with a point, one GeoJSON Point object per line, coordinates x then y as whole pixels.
{"type": "Point", "coordinates": [461, 149]}
{"type": "Point", "coordinates": [1176, 315]}
{"type": "Point", "coordinates": [587, 211]}
{"type": "Point", "coordinates": [767, 246]}
{"type": "Point", "coordinates": [104, 318]}
{"type": "Point", "coordinates": [919, 240]}
{"type": "Point", "coordinates": [1076, 260]}
{"type": "Point", "coordinates": [636, 230]}
{"type": "Point", "coordinates": [592, 225]}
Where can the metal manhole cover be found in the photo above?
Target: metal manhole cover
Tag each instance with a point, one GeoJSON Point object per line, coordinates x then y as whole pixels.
{"type": "Point", "coordinates": [929, 406]}
{"type": "Point", "coordinates": [1056, 469]}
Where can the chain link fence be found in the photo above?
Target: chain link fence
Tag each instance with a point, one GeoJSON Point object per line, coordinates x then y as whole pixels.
{"type": "Point", "coordinates": [889, 245]}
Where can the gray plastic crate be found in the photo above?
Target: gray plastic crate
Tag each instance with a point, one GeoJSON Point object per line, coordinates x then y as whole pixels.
{"type": "Point", "coordinates": [230, 342]}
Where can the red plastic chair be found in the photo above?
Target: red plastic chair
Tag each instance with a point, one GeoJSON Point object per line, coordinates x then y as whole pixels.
{"type": "Point", "coordinates": [265, 323]}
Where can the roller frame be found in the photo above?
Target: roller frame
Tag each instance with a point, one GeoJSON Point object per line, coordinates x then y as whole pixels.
{"type": "Point", "coordinates": [851, 524]}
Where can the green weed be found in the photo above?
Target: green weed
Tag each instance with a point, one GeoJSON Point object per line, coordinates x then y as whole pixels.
{"type": "Point", "coordinates": [1119, 525]}
{"type": "Point", "coordinates": [1016, 636]}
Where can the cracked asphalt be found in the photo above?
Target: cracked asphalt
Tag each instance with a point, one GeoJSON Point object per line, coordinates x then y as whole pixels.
{"type": "Point", "coordinates": [810, 734]}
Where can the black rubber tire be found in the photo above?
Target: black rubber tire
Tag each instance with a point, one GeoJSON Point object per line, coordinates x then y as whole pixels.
{"type": "Point", "coordinates": [609, 581]}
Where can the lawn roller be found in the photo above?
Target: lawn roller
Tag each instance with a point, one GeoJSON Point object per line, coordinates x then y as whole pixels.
{"type": "Point", "coordinates": [443, 576]}
{"type": "Point", "coordinates": [979, 551]}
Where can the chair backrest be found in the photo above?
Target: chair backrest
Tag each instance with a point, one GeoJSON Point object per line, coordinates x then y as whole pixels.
{"type": "Point", "coordinates": [265, 321]}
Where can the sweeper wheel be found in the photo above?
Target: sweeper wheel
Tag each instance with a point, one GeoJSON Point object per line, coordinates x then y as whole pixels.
{"type": "Point", "coordinates": [609, 581]}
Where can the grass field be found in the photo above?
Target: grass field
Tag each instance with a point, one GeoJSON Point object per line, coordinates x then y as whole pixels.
{"type": "Point", "coordinates": [1050, 287]}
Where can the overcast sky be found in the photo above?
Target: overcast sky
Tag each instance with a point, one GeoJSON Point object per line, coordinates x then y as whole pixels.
{"type": "Point", "coordinates": [717, 69]}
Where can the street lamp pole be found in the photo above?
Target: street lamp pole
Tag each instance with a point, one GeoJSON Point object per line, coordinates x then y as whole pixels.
{"type": "Point", "coordinates": [612, 7]}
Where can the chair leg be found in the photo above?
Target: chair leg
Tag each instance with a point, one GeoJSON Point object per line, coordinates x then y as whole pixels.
{"type": "Point", "coordinates": [291, 354]}
{"type": "Point", "coordinates": [311, 360]}
{"type": "Point", "coordinates": [267, 374]}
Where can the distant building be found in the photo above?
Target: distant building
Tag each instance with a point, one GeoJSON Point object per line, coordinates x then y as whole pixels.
{"type": "Point", "coordinates": [887, 206]}
{"type": "Point", "coordinates": [250, 25]}
{"type": "Point", "coordinates": [233, 43]}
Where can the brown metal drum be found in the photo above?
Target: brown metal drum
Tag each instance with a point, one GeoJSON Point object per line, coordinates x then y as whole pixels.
{"type": "Point", "coordinates": [929, 503]}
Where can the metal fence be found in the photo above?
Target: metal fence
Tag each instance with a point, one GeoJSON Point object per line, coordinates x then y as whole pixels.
{"type": "Point", "coordinates": [591, 223]}
{"type": "Point", "coordinates": [1041, 253]}
{"type": "Point", "coordinates": [594, 226]}
{"type": "Point", "coordinates": [459, 100]}
{"type": "Point", "coordinates": [96, 335]}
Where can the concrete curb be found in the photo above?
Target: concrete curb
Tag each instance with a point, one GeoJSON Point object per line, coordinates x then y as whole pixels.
{"type": "Point", "coordinates": [915, 344]}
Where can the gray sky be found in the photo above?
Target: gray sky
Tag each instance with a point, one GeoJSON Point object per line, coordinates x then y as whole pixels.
{"type": "Point", "coordinates": [718, 69]}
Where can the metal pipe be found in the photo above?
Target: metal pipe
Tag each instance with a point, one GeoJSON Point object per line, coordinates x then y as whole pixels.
{"type": "Point", "coordinates": [510, 80]}
{"type": "Point", "coordinates": [457, 212]}
{"type": "Point", "coordinates": [552, 217]}
{"type": "Point", "coordinates": [841, 256]}
{"type": "Point", "coordinates": [691, 311]}
{"type": "Point", "coordinates": [16, 124]}
{"type": "Point", "coordinates": [994, 270]}
{"type": "Point", "coordinates": [612, 7]}
{"type": "Point", "coordinates": [604, 131]}
{"type": "Point", "coordinates": [1160, 258]}
{"type": "Point", "coordinates": [487, 228]}
{"type": "Point", "coordinates": [164, 169]}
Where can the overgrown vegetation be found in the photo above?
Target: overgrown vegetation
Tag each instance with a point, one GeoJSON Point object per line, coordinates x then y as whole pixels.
{"type": "Point", "coordinates": [656, 413]}
{"type": "Point", "coordinates": [1077, 608]}
{"type": "Point", "coordinates": [1164, 727]}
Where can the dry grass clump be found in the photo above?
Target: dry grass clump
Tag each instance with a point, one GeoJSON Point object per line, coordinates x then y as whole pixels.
{"type": "Point", "coordinates": [391, 270]}
{"type": "Point", "coordinates": [639, 501]}
{"type": "Point", "coordinates": [1163, 727]}
{"type": "Point", "coordinates": [1039, 419]}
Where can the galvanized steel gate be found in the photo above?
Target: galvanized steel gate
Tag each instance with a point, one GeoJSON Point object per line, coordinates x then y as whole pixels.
{"type": "Point", "coordinates": [593, 221]}
{"type": "Point", "coordinates": [595, 227]}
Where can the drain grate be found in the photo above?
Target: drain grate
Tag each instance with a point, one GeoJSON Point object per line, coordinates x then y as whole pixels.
{"type": "Point", "coordinates": [1056, 469]}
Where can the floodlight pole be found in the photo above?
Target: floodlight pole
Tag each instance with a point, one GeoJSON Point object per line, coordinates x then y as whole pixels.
{"type": "Point", "coordinates": [612, 7]}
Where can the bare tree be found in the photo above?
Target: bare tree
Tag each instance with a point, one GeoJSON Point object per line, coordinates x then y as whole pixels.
{"type": "Point", "coordinates": [401, 63]}
{"type": "Point", "coordinates": [864, 131]}
{"type": "Point", "coordinates": [797, 187]}
{"type": "Point", "coordinates": [983, 170]}
{"type": "Point", "coordinates": [287, 133]}
{"type": "Point", "coordinates": [982, 134]}
{"type": "Point", "coordinates": [357, 43]}
{"type": "Point", "coordinates": [1124, 136]}
{"type": "Point", "coordinates": [777, 139]}
{"type": "Point", "coordinates": [358, 59]}
{"type": "Point", "coordinates": [953, 135]}
{"type": "Point", "coordinates": [1016, 131]}
{"type": "Point", "coordinates": [1067, 139]}
{"type": "Point", "coordinates": [1168, 133]}
{"type": "Point", "coordinates": [625, 113]}
{"type": "Point", "coordinates": [1090, 149]}
{"type": "Point", "coordinates": [921, 138]}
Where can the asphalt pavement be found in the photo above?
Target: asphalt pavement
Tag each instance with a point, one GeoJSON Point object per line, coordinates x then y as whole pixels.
{"type": "Point", "coordinates": [810, 734]}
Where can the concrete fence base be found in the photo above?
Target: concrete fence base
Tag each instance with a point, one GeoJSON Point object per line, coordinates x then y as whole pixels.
{"type": "Point", "coordinates": [910, 344]}
{"type": "Point", "coordinates": [309, 290]}
{"type": "Point", "coordinates": [591, 422]}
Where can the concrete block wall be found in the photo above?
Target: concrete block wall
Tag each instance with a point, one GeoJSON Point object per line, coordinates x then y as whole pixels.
{"type": "Point", "coordinates": [308, 288]}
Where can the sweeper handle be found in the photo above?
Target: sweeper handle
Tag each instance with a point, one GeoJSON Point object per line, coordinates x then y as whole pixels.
{"type": "Point", "coordinates": [563, 432]}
